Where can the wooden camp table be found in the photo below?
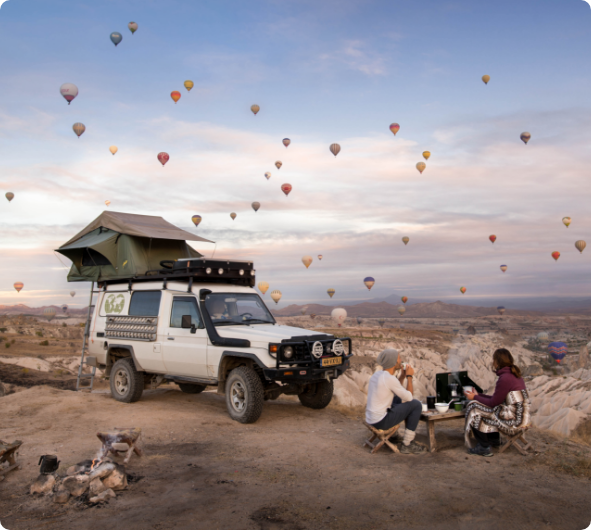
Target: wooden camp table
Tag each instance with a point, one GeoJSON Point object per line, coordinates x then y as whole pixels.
{"type": "Point", "coordinates": [432, 417]}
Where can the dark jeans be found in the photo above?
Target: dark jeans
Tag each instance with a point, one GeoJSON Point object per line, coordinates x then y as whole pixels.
{"type": "Point", "coordinates": [409, 412]}
{"type": "Point", "coordinates": [485, 439]}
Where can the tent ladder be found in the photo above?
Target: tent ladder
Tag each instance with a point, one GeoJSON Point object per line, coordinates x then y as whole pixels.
{"type": "Point", "coordinates": [85, 347]}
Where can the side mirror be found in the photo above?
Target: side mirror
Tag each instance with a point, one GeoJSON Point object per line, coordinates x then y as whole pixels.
{"type": "Point", "coordinates": [187, 323]}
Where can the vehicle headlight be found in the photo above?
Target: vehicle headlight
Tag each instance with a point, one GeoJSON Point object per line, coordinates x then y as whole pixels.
{"type": "Point", "coordinates": [221, 271]}
{"type": "Point", "coordinates": [208, 270]}
{"type": "Point", "coordinates": [288, 352]}
{"type": "Point", "coordinates": [241, 272]}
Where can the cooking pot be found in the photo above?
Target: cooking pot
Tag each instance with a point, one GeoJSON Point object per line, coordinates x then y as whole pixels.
{"type": "Point", "coordinates": [49, 464]}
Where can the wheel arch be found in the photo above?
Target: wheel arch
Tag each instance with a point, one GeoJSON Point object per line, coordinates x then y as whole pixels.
{"type": "Point", "coordinates": [232, 359]}
{"type": "Point", "coordinates": [120, 351]}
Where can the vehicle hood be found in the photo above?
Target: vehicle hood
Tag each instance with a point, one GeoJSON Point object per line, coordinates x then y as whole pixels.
{"type": "Point", "coordinates": [264, 333]}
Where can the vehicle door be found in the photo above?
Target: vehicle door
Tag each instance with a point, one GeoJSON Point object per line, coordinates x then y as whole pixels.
{"type": "Point", "coordinates": [185, 350]}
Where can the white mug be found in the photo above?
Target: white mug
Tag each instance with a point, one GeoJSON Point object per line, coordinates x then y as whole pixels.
{"type": "Point", "coordinates": [425, 407]}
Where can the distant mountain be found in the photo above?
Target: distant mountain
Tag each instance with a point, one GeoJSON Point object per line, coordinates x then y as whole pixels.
{"type": "Point", "coordinates": [420, 310]}
{"type": "Point", "coordinates": [22, 309]}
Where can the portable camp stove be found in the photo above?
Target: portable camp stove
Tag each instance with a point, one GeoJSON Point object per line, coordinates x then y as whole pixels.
{"type": "Point", "coordinates": [450, 385]}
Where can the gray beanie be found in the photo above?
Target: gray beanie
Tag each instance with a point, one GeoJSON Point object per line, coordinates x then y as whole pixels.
{"type": "Point", "coordinates": [388, 358]}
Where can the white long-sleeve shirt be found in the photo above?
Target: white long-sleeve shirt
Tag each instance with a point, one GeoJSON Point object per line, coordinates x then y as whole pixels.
{"type": "Point", "coordinates": [380, 392]}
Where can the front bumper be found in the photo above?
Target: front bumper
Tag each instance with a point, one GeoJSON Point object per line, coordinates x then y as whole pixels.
{"type": "Point", "coordinates": [307, 374]}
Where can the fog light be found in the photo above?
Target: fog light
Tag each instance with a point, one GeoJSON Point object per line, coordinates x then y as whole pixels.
{"type": "Point", "coordinates": [288, 352]}
{"type": "Point", "coordinates": [208, 271]}
{"type": "Point", "coordinates": [221, 271]}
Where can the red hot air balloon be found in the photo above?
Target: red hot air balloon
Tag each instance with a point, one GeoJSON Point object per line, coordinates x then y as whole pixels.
{"type": "Point", "coordinates": [462, 290]}
{"type": "Point", "coordinates": [394, 128]}
{"type": "Point", "coordinates": [404, 299]}
{"type": "Point", "coordinates": [556, 255]}
{"type": "Point", "coordinates": [163, 158]}
{"type": "Point", "coordinates": [492, 238]}
{"type": "Point", "coordinates": [286, 188]}
{"type": "Point", "coordinates": [175, 95]}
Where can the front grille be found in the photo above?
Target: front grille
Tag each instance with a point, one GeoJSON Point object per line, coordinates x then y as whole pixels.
{"type": "Point", "coordinates": [303, 350]}
{"type": "Point", "coordinates": [131, 328]}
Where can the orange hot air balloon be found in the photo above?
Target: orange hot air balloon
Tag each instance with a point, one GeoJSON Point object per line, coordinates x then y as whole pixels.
{"type": "Point", "coordinates": [404, 299]}
{"type": "Point", "coordinates": [18, 286]}
{"type": "Point", "coordinates": [556, 255]}
{"type": "Point", "coordinates": [263, 287]}
{"type": "Point", "coordinates": [175, 95]}
{"type": "Point", "coordinates": [394, 127]}
{"type": "Point", "coordinates": [255, 109]}
{"type": "Point", "coordinates": [492, 238]}
{"type": "Point", "coordinates": [421, 166]}
{"type": "Point", "coordinates": [278, 164]}
{"type": "Point", "coordinates": [462, 290]}
{"type": "Point", "coordinates": [286, 188]}
{"type": "Point", "coordinates": [307, 261]}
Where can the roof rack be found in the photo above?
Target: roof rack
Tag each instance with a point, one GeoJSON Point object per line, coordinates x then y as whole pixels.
{"type": "Point", "coordinates": [197, 270]}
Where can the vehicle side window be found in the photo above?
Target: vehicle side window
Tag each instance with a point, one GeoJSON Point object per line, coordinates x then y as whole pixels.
{"type": "Point", "coordinates": [145, 303]}
{"type": "Point", "coordinates": [186, 305]}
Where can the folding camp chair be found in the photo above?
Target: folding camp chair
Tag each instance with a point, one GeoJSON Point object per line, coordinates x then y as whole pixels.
{"type": "Point", "coordinates": [8, 453]}
{"type": "Point", "coordinates": [382, 436]}
{"type": "Point", "coordinates": [514, 441]}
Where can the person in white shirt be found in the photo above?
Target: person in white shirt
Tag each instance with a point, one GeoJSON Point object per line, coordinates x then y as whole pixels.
{"type": "Point", "coordinates": [389, 403]}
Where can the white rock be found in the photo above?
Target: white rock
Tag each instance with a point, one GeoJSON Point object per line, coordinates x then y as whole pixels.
{"type": "Point", "coordinates": [43, 485]}
{"type": "Point", "coordinates": [103, 497]}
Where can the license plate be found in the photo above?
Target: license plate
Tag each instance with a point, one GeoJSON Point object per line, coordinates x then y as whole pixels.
{"type": "Point", "coordinates": [331, 361]}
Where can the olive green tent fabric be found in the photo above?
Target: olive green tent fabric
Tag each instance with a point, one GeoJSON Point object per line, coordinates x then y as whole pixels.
{"type": "Point", "coordinates": [105, 253]}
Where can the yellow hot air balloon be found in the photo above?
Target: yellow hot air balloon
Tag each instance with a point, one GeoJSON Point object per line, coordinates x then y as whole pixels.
{"type": "Point", "coordinates": [307, 261]}
{"type": "Point", "coordinates": [79, 129]}
{"type": "Point", "coordinates": [405, 240]}
{"type": "Point", "coordinates": [330, 292]}
{"type": "Point", "coordinates": [113, 149]}
{"type": "Point", "coordinates": [486, 79]}
{"type": "Point", "coordinates": [421, 167]}
{"type": "Point", "coordinates": [566, 221]}
{"type": "Point", "coordinates": [189, 85]}
{"type": "Point", "coordinates": [580, 244]}
{"type": "Point", "coordinates": [276, 296]}
{"type": "Point", "coordinates": [263, 287]}
{"type": "Point", "coordinates": [426, 155]}
{"type": "Point", "coordinates": [255, 109]}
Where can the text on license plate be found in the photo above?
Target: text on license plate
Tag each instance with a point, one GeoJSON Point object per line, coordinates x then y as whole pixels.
{"type": "Point", "coordinates": [331, 361]}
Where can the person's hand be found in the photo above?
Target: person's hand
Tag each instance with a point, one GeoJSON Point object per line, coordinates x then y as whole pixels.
{"type": "Point", "coordinates": [470, 395]}
{"type": "Point", "coordinates": [409, 370]}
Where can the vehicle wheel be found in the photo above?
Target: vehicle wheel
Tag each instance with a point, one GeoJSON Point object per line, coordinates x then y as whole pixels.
{"type": "Point", "coordinates": [318, 395]}
{"type": "Point", "coordinates": [244, 395]}
{"type": "Point", "coordinates": [127, 384]}
{"type": "Point", "coordinates": [189, 388]}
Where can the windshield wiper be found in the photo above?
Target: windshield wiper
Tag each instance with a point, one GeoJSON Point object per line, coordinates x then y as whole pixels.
{"type": "Point", "coordinates": [229, 323]}
{"type": "Point", "coordinates": [259, 320]}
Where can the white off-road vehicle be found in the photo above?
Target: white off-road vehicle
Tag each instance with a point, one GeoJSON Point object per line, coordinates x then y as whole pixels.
{"type": "Point", "coordinates": [199, 322]}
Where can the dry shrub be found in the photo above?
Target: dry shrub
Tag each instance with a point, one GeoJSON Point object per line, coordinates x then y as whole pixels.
{"type": "Point", "coordinates": [582, 434]}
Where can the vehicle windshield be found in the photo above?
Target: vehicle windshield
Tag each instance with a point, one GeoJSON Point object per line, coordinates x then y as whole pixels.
{"type": "Point", "coordinates": [237, 309]}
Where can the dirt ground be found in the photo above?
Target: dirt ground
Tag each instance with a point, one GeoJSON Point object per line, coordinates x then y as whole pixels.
{"type": "Point", "coordinates": [294, 469]}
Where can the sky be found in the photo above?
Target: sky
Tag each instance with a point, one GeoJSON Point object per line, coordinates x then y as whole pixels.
{"type": "Point", "coordinates": [321, 72]}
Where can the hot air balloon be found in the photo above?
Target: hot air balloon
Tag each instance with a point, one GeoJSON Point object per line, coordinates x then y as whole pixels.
{"type": "Point", "coordinates": [286, 142]}
{"type": "Point", "coordinates": [369, 282]}
{"type": "Point", "coordinates": [421, 167]}
{"type": "Point", "coordinates": [79, 129]}
{"type": "Point", "coordinates": [233, 216]}
{"type": "Point", "coordinates": [304, 309]}
{"type": "Point", "coordinates": [263, 286]}
{"type": "Point", "coordinates": [189, 85]}
{"type": "Point", "coordinates": [405, 240]}
{"type": "Point", "coordinates": [255, 109]}
{"type": "Point", "coordinates": [330, 292]}
{"type": "Point", "coordinates": [401, 310]}
{"type": "Point", "coordinates": [426, 155]}
{"type": "Point", "coordinates": [557, 350]}
{"type": "Point", "coordinates": [65, 308]}
{"type": "Point", "coordinates": [116, 37]}
{"type": "Point", "coordinates": [319, 257]}
{"type": "Point", "coordinates": [286, 188]}
{"type": "Point", "coordinates": [381, 321]}
{"type": "Point", "coordinates": [307, 261]}
{"type": "Point", "coordinates": [525, 137]}
{"type": "Point", "coordinates": [359, 320]}
{"type": "Point", "coordinates": [486, 79]}
{"type": "Point", "coordinates": [462, 290]}
{"type": "Point", "coordinates": [580, 244]}
{"type": "Point", "coordinates": [163, 158]}
{"type": "Point", "coordinates": [69, 91]}
{"type": "Point", "coordinates": [72, 294]}
{"type": "Point", "coordinates": [394, 127]}
{"type": "Point", "coordinates": [267, 175]}
{"type": "Point", "coordinates": [338, 314]}
{"type": "Point", "coordinates": [501, 309]}
{"type": "Point", "coordinates": [49, 313]}
{"type": "Point", "coordinates": [335, 149]}
{"type": "Point", "coordinates": [132, 27]}
{"type": "Point", "coordinates": [404, 299]}
{"type": "Point", "coordinates": [492, 238]}
{"type": "Point", "coordinates": [542, 335]}
{"type": "Point", "coordinates": [18, 286]}
{"type": "Point", "coordinates": [9, 195]}
{"type": "Point", "coordinates": [196, 219]}
{"type": "Point", "coordinates": [566, 221]}
{"type": "Point", "coordinates": [108, 203]}
{"type": "Point", "coordinates": [255, 206]}
{"type": "Point", "coordinates": [503, 268]}
{"type": "Point", "coordinates": [175, 95]}
{"type": "Point", "coordinates": [278, 164]}
{"type": "Point", "coordinates": [276, 296]}
{"type": "Point", "coordinates": [113, 149]}
{"type": "Point", "coordinates": [556, 255]}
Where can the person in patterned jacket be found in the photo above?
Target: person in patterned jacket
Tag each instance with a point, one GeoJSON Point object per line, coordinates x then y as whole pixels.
{"type": "Point", "coordinates": [506, 411]}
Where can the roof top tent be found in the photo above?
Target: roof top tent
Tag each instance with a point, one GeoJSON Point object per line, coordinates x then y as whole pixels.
{"type": "Point", "coordinates": [118, 246]}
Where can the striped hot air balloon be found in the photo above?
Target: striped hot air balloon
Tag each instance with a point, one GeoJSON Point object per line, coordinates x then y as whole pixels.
{"type": "Point", "coordinates": [263, 287]}
{"type": "Point", "coordinates": [49, 313]}
{"type": "Point", "coordinates": [503, 268]}
{"type": "Point", "coordinates": [542, 335]}
{"type": "Point", "coordinates": [79, 129]}
{"type": "Point", "coordinates": [335, 149]}
{"type": "Point", "coordinates": [394, 128]}
{"type": "Point", "coordinates": [580, 245]}
{"type": "Point", "coordinates": [175, 95]}
{"type": "Point", "coordinates": [557, 350]}
{"type": "Point", "coordinates": [369, 282]}
{"type": "Point", "coordinates": [286, 142]}
{"type": "Point", "coordinates": [276, 296]}
{"type": "Point", "coordinates": [525, 137]}
{"type": "Point", "coordinates": [331, 292]}
{"type": "Point", "coordinates": [18, 286]}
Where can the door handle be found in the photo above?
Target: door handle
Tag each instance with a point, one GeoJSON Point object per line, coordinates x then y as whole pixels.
{"type": "Point", "coordinates": [170, 338]}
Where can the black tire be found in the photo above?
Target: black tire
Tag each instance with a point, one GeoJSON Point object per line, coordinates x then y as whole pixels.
{"type": "Point", "coordinates": [190, 388]}
{"type": "Point", "coordinates": [244, 395]}
{"type": "Point", "coordinates": [127, 384]}
{"type": "Point", "coordinates": [317, 395]}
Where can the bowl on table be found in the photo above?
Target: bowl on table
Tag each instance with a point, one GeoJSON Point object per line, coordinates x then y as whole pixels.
{"type": "Point", "coordinates": [442, 407]}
